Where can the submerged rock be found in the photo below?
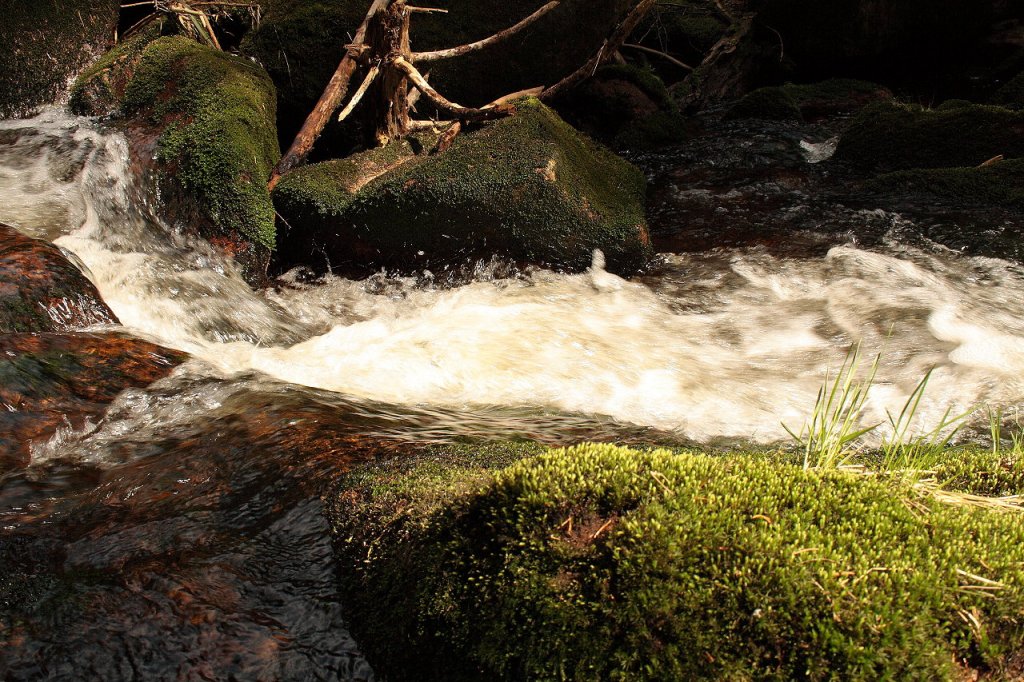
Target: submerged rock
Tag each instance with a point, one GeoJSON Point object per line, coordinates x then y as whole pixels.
{"type": "Point", "coordinates": [42, 291]}
{"type": "Point", "coordinates": [45, 44]}
{"type": "Point", "coordinates": [528, 187]}
{"type": "Point", "coordinates": [53, 380]}
{"type": "Point", "coordinates": [204, 123]}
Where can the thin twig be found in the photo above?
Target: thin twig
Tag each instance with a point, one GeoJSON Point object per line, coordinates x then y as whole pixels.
{"type": "Point", "coordinates": [665, 55]}
{"type": "Point", "coordinates": [370, 76]}
{"type": "Point", "coordinates": [481, 44]}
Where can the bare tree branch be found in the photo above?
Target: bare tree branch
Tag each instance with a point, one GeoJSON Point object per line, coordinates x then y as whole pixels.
{"type": "Point", "coordinates": [481, 44]}
{"type": "Point", "coordinates": [664, 55]}
{"type": "Point", "coordinates": [607, 51]}
{"type": "Point", "coordinates": [456, 110]}
{"type": "Point", "coordinates": [374, 70]}
{"type": "Point", "coordinates": [329, 101]}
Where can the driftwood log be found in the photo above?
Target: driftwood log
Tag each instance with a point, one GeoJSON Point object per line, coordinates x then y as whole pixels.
{"type": "Point", "coordinates": [382, 47]}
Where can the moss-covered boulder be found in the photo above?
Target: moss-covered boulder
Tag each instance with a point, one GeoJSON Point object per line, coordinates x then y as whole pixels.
{"type": "Point", "coordinates": [1011, 94]}
{"type": "Point", "coordinates": [45, 44]}
{"type": "Point", "coordinates": [528, 187]}
{"type": "Point", "coordinates": [891, 136]}
{"type": "Point", "coordinates": [626, 106]}
{"type": "Point", "coordinates": [300, 42]}
{"type": "Point", "coordinates": [204, 123]}
{"type": "Point", "coordinates": [600, 562]}
{"type": "Point", "coordinates": [42, 291]}
{"type": "Point", "coordinates": [793, 102]}
{"type": "Point", "coordinates": [997, 184]}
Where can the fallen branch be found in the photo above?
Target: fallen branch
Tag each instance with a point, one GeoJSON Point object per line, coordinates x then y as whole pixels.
{"type": "Point", "coordinates": [664, 55]}
{"type": "Point", "coordinates": [481, 44]}
{"type": "Point", "coordinates": [417, 126]}
{"type": "Point", "coordinates": [359, 93]}
{"type": "Point", "coordinates": [438, 100]}
{"type": "Point", "coordinates": [607, 51]}
{"type": "Point", "coordinates": [505, 99]}
{"type": "Point", "coordinates": [329, 101]}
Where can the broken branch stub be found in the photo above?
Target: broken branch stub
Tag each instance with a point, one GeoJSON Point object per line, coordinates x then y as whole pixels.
{"type": "Point", "coordinates": [328, 103]}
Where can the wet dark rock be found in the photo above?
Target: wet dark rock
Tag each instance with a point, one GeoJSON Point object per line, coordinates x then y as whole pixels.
{"type": "Point", "coordinates": [41, 290]}
{"type": "Point", "coordinates": [203, 123]}
{"type": "Point", "coordinates": [52, 380]}
{"type": "Point", "coordinates": [627, 107]}
{"type": "Point", "coordinates": [528, 187]}
{"type": "Point", "coordinates": [45, 44]}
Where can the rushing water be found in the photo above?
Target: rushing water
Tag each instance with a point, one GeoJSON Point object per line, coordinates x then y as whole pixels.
{"type": "Point", "coordinates": [200, 492]}
{"type": "Point", "coordinates": [728, 343]}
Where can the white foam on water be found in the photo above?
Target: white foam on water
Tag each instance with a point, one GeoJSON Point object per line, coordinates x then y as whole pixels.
{"type": "Point", "coordinates": [730, 344]}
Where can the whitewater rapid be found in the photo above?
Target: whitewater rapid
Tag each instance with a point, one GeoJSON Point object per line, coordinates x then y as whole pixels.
{"type": "Point", "coordinates": [727, 344]}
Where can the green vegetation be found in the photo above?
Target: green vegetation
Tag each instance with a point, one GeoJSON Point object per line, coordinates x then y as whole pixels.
{"type": "Point", "coordinates": [215, 115]}
{"type": "Point", "coordinates": [999, 184]}
{"type": "Point", "coordinates": [600, 562]}
{"type": "Point", "coordinates": [890, 136]}
{"type": "Point", "coordinates": [828, 438]}
{"type": "Point", "coordinates": [1011, 95]}
{"type": "Point", "coordinates": [528, 186]}
{"type": "Point", "coordinates": [797, 102]}
{"type": "Point", "coordinates": [45, 44]}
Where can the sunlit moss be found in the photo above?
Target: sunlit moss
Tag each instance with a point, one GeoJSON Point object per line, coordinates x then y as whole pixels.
{"type": "Point", "coordinates": [528, 186]}
{"type": "Point", "coordinates": [599, 562]}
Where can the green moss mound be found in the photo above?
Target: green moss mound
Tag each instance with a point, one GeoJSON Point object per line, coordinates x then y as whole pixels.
{"type": "Point", "coordinates": [528, 186]}
{"type": "Point", "coordinates": [1011, 95]}
{"type": "Point", "coordinates": [792, 102]}
{"type": "Point", "coordinates": [889, 136]}
{"type": "Point", "coordinates": [45, 44]}
{"type": "Point", "coordinates": [599, 562]}
{"type": "Point", "coordinates": [999, 184]}
{"type": "Point", "coordinates": [215, 115]}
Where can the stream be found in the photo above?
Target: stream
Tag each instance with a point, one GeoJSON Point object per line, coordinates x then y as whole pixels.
{"type": "Point", "coordinates": [181, 536]}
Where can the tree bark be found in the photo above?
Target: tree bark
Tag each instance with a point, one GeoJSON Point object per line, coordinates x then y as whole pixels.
{"type": "Point", "coordinates": [386, 110]}
{"type": "Point", "coordinates": [329, 101]}
{"type": "Point", "coordinates": [481, 44]}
